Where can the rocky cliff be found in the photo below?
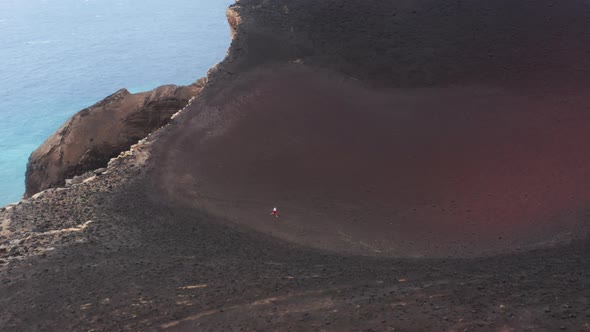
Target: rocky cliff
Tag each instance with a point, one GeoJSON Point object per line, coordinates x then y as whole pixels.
{"type": "Point", "coordinates": [90, 138]}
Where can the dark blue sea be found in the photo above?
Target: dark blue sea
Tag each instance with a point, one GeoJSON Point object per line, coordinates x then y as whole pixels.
{"type": "Point", "coordinates": [59, 56]}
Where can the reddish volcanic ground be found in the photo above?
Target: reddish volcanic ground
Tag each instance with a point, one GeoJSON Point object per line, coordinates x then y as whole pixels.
{"type": "Point", "coordinates": [408, 172]}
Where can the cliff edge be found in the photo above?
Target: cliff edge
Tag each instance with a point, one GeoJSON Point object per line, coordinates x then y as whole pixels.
{"type": "Point", "coordinates": [91, 137]}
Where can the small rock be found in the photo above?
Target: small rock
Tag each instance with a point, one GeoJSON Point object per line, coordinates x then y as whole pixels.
{"type": "Point", "coordinates": [100, 171]}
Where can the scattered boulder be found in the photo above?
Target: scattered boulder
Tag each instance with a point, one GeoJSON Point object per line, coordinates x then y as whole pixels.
{"type": "Point", "coordinates": [90, 138]}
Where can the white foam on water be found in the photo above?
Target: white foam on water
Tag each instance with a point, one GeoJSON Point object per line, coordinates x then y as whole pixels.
{"type": "Point", "coordinates": [34, 42]}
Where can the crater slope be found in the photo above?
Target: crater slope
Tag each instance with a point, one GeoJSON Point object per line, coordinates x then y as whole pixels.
{"type": "Point", "coordinates": [423, 129]}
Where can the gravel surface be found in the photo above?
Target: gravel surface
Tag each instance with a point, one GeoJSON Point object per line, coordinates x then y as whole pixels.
{"type": "Point", "coordinates": [143, 264]}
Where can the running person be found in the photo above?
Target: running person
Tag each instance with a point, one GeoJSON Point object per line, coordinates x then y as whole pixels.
{"type": "Point", "coordinates": [275, 212]}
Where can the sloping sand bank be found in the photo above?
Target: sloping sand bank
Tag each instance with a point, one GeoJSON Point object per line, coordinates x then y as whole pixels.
{"type": "Point", "coordinates": [402, 172]}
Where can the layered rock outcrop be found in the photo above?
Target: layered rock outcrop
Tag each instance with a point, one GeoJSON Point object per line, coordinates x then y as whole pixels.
{"type": "Point", "coordinates": [100, 132]}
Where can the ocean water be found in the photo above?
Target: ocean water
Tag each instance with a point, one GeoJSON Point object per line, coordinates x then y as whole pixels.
{"type": "Point", "coordinates": [59, 56]}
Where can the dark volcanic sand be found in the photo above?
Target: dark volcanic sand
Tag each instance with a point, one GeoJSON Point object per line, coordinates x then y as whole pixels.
{"type": "Point", "coordinates": [383, 130]}
{"type": "Point", "coordinates": [430, 171]}
{"type": "Point", "coordinates": [147, 264]}
{"type": "Point", "coordinates": [432, 128]}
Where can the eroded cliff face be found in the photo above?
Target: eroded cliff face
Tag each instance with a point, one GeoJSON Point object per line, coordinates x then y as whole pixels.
{"type": "Point", "coordinates": [100, 132]}
{"type": "Point", "coordinates": [234, 20]}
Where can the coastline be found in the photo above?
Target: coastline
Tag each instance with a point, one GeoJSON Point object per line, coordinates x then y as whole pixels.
{"type": "Point", "coordinates": [90, 58]}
